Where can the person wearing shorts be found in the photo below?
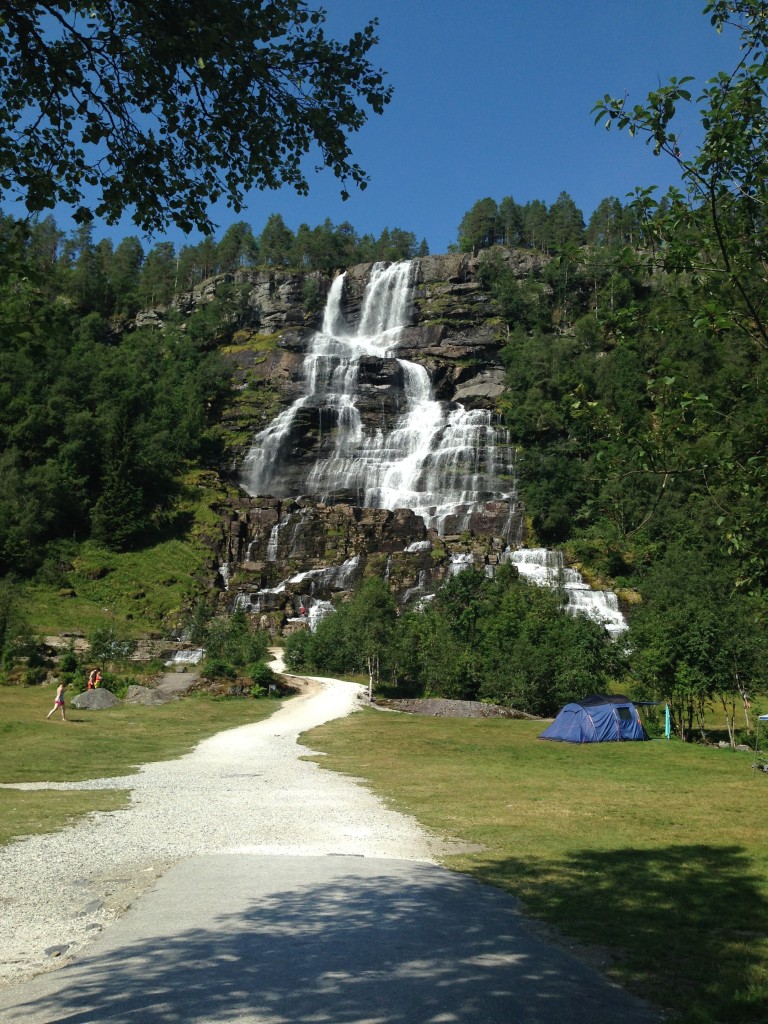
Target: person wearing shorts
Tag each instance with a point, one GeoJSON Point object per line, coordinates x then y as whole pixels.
{"type": "Point", "coordinates": [58, 702]}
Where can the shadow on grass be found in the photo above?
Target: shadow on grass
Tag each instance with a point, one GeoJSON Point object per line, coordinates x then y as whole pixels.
{"type": "Point", "coordinates": [179, 526]}
{"type": "Point", "coordinates": [686, 925]}
{"type": "Point", "coordinates": [393, 946]}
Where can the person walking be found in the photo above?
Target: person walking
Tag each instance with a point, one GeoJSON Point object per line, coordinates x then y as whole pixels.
{"type": "Point", "coordinates": [58, 702]}
{"type": "Point", "coordinates": [92, 678]}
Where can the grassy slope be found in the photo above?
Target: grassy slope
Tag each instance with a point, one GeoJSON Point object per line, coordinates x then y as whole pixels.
{"type": "Point", "coordinates": [93, 744]}
{"type": "Point", "coordinates": [654, 854]}
{"type": "Point", "coordinates": [136, 592]}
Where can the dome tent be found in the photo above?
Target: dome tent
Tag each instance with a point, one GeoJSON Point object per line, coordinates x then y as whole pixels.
{"type": "Point", "coordinates": [599, 718]}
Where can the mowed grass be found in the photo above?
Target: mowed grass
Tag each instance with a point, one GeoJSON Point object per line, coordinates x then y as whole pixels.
{"type": "Point", "coordinates": [95, 744]}
{"type": "Point", "coordinates": [653, 855]}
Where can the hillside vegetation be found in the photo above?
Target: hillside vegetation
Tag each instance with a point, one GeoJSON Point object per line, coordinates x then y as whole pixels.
{"type": "Point", "coordinates": [635, 356]}
{"type": "Point", "coordinates": [636, 424]}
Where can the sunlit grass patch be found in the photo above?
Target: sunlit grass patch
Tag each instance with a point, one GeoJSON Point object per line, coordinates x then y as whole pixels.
{"type": "Point", "coordinates": [654, 854]}
{"type": "Point", "coordinates": [96, 744]}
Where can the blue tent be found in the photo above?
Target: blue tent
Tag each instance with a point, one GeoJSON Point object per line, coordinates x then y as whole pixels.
{"type": "Point", "coordinates": [597, 719]}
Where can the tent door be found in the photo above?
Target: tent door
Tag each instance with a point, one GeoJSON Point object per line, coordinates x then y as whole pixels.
{"type": "Point", "coordinates": [627, 727]}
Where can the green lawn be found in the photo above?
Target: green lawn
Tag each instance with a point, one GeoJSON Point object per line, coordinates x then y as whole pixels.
{"type": "Point", "coordinates": [94, 744]}
{"type": "Point", "coordinates": [654, 855]}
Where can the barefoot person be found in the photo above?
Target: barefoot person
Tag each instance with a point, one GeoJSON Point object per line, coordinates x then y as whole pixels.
{"type": "Point", "coordinates": [58, 702]}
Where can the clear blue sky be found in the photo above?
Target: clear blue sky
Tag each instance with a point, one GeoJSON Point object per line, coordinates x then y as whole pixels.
{"type": "Point", "coordinates": [493, 98]}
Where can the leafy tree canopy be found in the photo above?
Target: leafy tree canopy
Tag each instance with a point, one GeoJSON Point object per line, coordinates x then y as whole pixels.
{"type": "Point", "coordinates": [713, 230]}
{"type": "Point", "coordinates": [165, 108]}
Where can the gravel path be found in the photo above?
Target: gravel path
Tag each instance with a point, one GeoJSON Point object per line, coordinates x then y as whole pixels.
{"type": "Point", "coordinates": [242, 791]}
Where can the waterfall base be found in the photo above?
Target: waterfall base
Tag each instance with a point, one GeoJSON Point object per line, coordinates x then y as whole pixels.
{"type": "Point", "coordinates": [287, 558]}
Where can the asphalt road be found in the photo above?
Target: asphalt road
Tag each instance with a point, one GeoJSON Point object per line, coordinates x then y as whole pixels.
{"type": "Point", "coordinates": [320, 940]}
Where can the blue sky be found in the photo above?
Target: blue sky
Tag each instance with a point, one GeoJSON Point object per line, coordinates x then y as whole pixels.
{"type": "Point", "coordinates": [493, 98]}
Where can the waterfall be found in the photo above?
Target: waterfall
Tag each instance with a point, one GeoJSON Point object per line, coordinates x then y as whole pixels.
{"type": "Point", "coordinates": [539, 565]}
{"type": "Point", "coordinates": [318, 610]}
{"type": "Point", "coordinates": [192, 656]}
{"type": "Point", "coordinates": [546, 569]}
{"type": "Point", "coordinates": [460, 562]}
{"type": "Point", "coordinates": [419, 545]}
{"type": "Point", "coordinates": [367, 430]}
{"type": "Point", "coordinates": [337, 577]}
{"type": "Point", "coordinates": [418, 589]}
{"type": "Point", "coordinates": [439, 459]}
{"type": "Point", "coordinates": [272, 543]}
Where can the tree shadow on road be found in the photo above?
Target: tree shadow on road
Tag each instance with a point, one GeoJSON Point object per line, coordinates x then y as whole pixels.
{"type": "Point", "coordinates": [380, 947]}
{"type": "Point", "coordinates": [685, 924]}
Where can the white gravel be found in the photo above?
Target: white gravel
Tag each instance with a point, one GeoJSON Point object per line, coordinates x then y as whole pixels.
{"type": "Point", "coordinates": [242, 791]}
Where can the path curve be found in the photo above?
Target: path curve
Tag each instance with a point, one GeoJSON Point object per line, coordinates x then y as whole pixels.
{"type": "Point", "coordinates": [242, 791]}
{"type": "Point", "coordinates": [281, 893]}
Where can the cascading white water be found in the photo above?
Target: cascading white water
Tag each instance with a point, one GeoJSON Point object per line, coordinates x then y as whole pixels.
{"type": "Point", "coordinates": [327, 578]}
{"type": "Point", "coordinates": [274, 538]}
{"type": "Point", "coordinates": [439, 459]}
{"type": "Point", "coordinates": [192, 656]}
{"type": "Point", "coordinates": [442, 461]}
{"type": "Point", "coordinates": [546, 568]}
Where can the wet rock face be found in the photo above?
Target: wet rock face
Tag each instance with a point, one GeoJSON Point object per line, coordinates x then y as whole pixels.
{"type": "Point", "coordinates": [284, 550]}
{"type": "Point", "coordinates": [452, 329]}
{"type": "Point", "coordinates": [282, 556]}
{"type": "Point", "coordinates": [269, 532]}
{"type": "Point", "coordinates": [379, 390]}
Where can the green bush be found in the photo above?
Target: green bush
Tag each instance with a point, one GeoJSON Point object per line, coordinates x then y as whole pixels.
{"type": "Point", "coordinates": [68, 661]}
{"type": "Point", "coordinates": [75, 681]}
{"type": "Point", "coordinates": [217, 668]}
{"type": "Point", "coordinates": [298, 650]}
{"type": "Point", "coordinates": [118, 685]}
{"type": "Point", "coordinates": [234, 641]}
{"type": "Point", "coordinates": [261, 675]}
{"type": "Point", "coordinates": [35, 675]}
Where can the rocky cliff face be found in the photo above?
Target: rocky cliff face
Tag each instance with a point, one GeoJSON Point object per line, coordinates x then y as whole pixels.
{"type": "Point", "coordinates": [283, 552]}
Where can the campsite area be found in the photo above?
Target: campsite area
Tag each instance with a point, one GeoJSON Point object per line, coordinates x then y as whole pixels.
{"type": "Point", "coordinates": [649, 858]}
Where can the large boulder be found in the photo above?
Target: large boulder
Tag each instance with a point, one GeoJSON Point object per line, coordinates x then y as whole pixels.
{"type": "Point", "coordinates": [95, 700]}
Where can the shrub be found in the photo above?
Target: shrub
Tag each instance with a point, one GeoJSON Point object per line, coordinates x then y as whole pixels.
{"type": "Point", "coordinates": [217, 668]}
{"type": "Point", "coordinates": [68, 661]}
{"type": "Point", "coordinates": [298, 650]}
{"type": "Point", "coordinates": [35, 675]}
{"type": "Point", "coordinates": [235, 641]}
{"type": "Point", "coordinates": [118, 685]}
{"type": "Point", "coordinates": [261, 675]}
{"type": "Point", "coordinates": [76, 682]}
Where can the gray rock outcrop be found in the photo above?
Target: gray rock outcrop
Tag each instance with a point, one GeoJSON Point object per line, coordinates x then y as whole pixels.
{"type": "Point", "coordinates": [95, 700]}
{"type": "Point", "coordinates": [145, 695]}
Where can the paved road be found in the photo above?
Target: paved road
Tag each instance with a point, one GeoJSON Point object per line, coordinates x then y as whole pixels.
{"type": "Point", "coordinates": [266, 936]}
{"type": "Point", "coordinates": [320, 940]}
